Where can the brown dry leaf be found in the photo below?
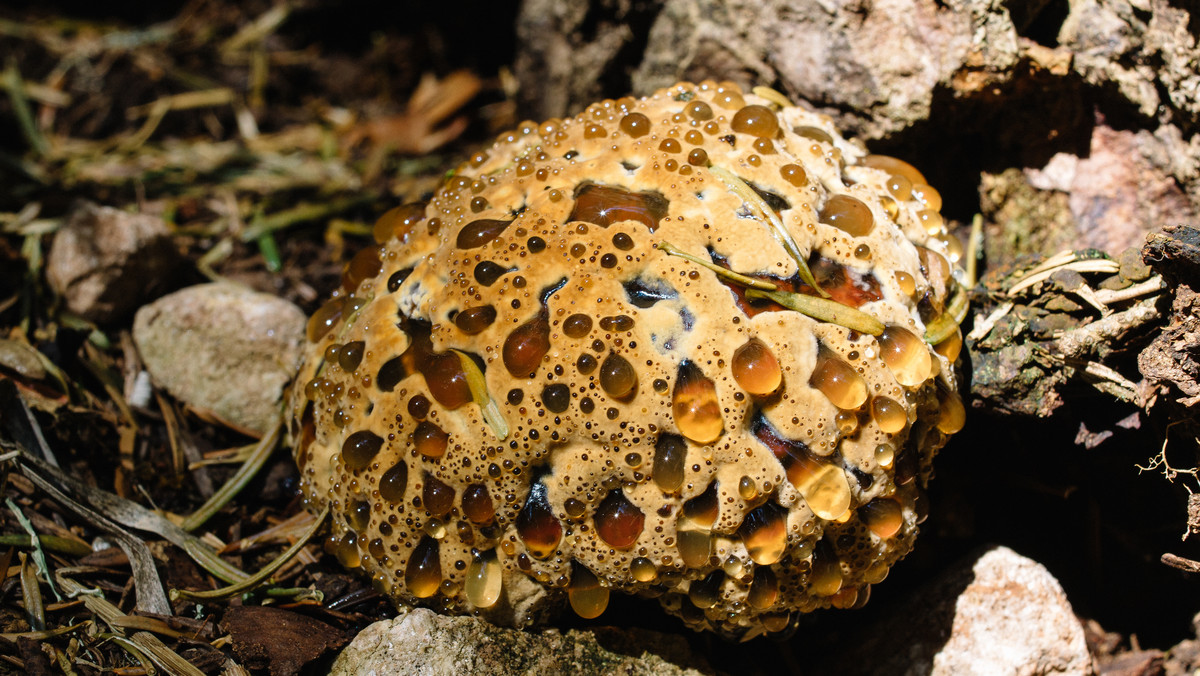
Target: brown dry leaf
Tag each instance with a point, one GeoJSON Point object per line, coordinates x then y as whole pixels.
{"type": "Point", "coordinates": [279, 640]}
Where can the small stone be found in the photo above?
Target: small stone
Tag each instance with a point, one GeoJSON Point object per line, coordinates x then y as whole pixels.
{"type": "Point", "coordinates": [224, 349]}
{"type": "Point", "coordinates": [105, 262]}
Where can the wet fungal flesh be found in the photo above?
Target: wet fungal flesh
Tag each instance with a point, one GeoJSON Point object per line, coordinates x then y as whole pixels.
{"type": "Point", "coordinates": [673, 347]}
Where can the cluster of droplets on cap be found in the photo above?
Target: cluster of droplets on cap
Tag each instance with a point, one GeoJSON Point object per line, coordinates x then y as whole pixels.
{"type": "Point", "coordinates": [695, 347]}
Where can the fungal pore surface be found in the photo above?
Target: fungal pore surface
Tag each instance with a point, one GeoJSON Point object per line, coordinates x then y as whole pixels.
{"type": "Point", "coordinates": [695, 347]}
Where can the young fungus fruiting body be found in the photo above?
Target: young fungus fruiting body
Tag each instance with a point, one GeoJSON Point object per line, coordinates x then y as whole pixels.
{"type": "Point", "coordinates": [677, 346]}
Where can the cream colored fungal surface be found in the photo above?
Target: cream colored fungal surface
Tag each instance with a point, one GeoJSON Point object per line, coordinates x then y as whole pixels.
{"type": "Point", "coordinates": [695, 347]}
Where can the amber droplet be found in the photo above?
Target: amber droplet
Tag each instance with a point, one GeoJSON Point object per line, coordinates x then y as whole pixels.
{"type": "Point", "coordinates": [825, 578]}
{"type": "Point", "coordinates": [934, 265]}
{"type": "Point", "coordinates": [445, 378]}
{"type": "Point", "coordinates": [698, 157]}
{"type": "Point", "coordinates": [636, 125]}
{"type": "Point", "coordinates": [953, 415]}
{"type": "Point", "coordinates": [906, 355]}
{"type": "Point", "coordinates": [764, 588]}
{"type": "Point", "coordinates": [324, 319]}
{"type": "Point", "coordinates": [485, 580]}
{"type": "Point", "coordinates": [889, 414]}
{"type": "Point", "coordinates": [794, 174]}
{"type": "Point", "coordinates": [536, 525]}
{"type": "Point", "coordinates": [670, 145]}
{"type": "Point", "coordinates": [556, 397]}
{"type": "Point", "coordinates": [618, 521]}
{"type": "Point", "coordinates": [429, 439]}
{"type": "Point", "coordinates": [437, 497]}
{"type": "Point", "coordinates": [699, 110]}
{"type": "Point", "coordinates": [900, 187]}
{"type": "Point", "coordinates": [617, 376]}
{"type": "Point", "coordinates": [359, 515]}
{"type": "Point", "coordinates": [927, 194]}
{"type": "Point", "coordinates": [350, 356]}
{"type": "Point", "coordinates": [360, 449]}
{"type": "Point", "coordinates": [764, 531]}
{"type": "Point", "coordinates": [487, 272]}
{"type": "Point", "coordinates": [755, 368]}
{"type": "Point", "coordinates": [397, 222]}
{"type": "Point", "coordinates": [394, 482]}
{"type": "Point", "coordinates": [883, 516]}
{"type": "Point", "coordinates": [706, 592]}
{"type": "Point", "coordinates": [605, 205]}
{"type": "Point", "coordinates": [477, 504]}
{"type": "Point", "coordinates": [694, 405]}
{"type": "Point", "coordinates": [847, 214]}
{"type": "Point", "coordinates": [838, 381]}
{"type": "Point", "coordinates": [477, 233]}
{"type": "Point", "coordinates": [586, 363]}
{"type": "Point", "coordinates": [894, 166]}
{"type": "Point", "coordinates": [616, 323]}
{"type": "Point", "coordinates": [346, 550]}
{"type": "Point", "coordinates": [474, 320]}
{"type": "Point", "coordinates": [587, 596]}
{"type": "Point", "coordinates": [694, 545]}
{"type": "Point", "coordinates": [822, 484]}
{"type": "Point", "coordinates": [670, 456]}
{"type": "Point", "coordinates": [908, 285]}
{"type": "Point", "coordinates": [364, 265]}
{"type": "Point", "coordinates": [525, 347]}
{"type": "Point", "coordinates": [643, 569]}
{"type": "Point", "coordinates": [755, 120]}
{"type": "Point", "coordinates": [702, 510]}
{"type": "Point", "coordinates": [423, 573]}
{"type": "Point", "coordinates": [577, 325]}
{"type": "Point", "coordinates": [951, 346]}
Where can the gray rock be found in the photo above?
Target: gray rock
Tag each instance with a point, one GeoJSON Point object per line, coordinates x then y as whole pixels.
{"type": "Point", "coordinates": [997, 613]}
{"type": "Point", "coordinates": [105, 262]}
{"type": "Point", "coordinates": [223, 349]}
{"type": "Point", "coordinates": [421, 642]}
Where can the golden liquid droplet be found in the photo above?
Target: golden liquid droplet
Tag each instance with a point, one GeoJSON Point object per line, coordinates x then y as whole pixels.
{"type": "Point", "coordinates": [588, 597]}
{"type": "Point", "coordinates": [429, 439]}
{"type": "Point", "coordinates": [895, 166]}
{"type": "Point", "coordinates": [702, 511]}
{"type": "Point", "coordinates": [346, 550]}
{"type": "Point", "coordinates": [884, 455]}
{"type": "Point", "coordinates": [764, 589]}
{"type": "Point", "coordinates": [477, 504]}
{"type": "Point", "coordinates": [823, 486]}
{"type": "Point", "coordinates": [906, 356]}
{"type": "Point", "coordinates": [848, 214]}
{"type": "Point", "coordinates": [845, 598]}
{"type": "Point", "coordinates": [525, 346]}
{"type": "Point", "coordinates": [695, 407]}
{"type": "Point", "coordinates": [951, 346]}
{"type": "Point", "coordinates": [485, 580]}
{"type": "Point", "coordinates": [825, 579]}
{"type": "Point", "coordinates": [706, 592]}
{"type": "Point", "coordinates": [618, 521]}
{"type": "Point", "coordinates": [695, 547]}
{"type": "Point", "coordinates": [838, 381]}
{"type": "Point", "coordinates": [423, 574]}
{"type": "Point", "coordinates": [952, 416]}
{"type": "Point", "coordinates": [883, 516]}
{"type": "Point", "coordinates": [536, 525]}
{"type": "Point", "coordinates": [764, 531]}
{"type": "Point", "coordinates": [747, 488]}
{"type": "Point", "coordinates": [670, 454]}
{"type": "Point", "coordinates": [617, 376]}
{"type": "Point", "coordinates": [927, 194]}
{"type": "Point", "coordinates": [908, 285]}
{"type": "Point", "coordinates": [643, 569]}
{"type": "Point", "coordinates": [889, 414]}
{"type": "Point", "coordinates": [755, 368]}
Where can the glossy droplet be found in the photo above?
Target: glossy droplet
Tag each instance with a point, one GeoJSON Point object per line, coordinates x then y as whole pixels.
{"type": "Point", "coordinates": [577, 325]}
{"type": "Point", "coordinates": [636, 125]}
{"type": "Point", "coordinates": [346, 550]}
{"type": "Point", "coordinates": [764, 531]}
{"type": "Point", "coordinates": [487, 272]}
{"type": "Point", "coordinates": [606, 205]}
{"type": "Point", "coordinates": [694, 405]}
{"type": "Point", "coordinates": [525, 347]}
{"type": "Point", "coordinates": [359, 515]}
{"type": "Point", "coordinates": [477, 233]}
{"type": "Point", "coordinates": [884, 455]}
{"type": "Point", "coordinates": [429, 439]}
{"type": "Point", "coordinates": [643, 569]}
{"type": "Point", "coordinates": [586, 363]}
{"type": "Point", "coordinates": [883, 516]}
{"type": "Point", "coordinates": [397, 222]}
{"type": "Point", "coordinates": [905, 355]}
{"type": "Point", "coordinates": [825, 578]}
{"type": "Point", "coordinates": [485, 580]}
{"type": "Point", "coordinates": [702, 510]}
{"type": "Point", "coordinates": [364, 265]}
{"type": "Point", "coordinates": [900, 187]}
{"type": "Point", "coordinates": [755, 120]}
{"type": "Point", "coordinates": [889, 414]}
{"type": "Point", "coordinates": [446, 380]}
{"type": "Point", "coordinates": [618, 521]}
{"type": "Point", "coordinates": [747, 488]}
{"type": "Point", "coordinates": [764, 588]}
{"type": "Point", "coordinates": [906, 282]}
{"type": "Point", "coordinates": [670, 456]}
{"type": "Point", "coordinates": [891, 165]}
{"type": "Point", "coordinates": [617, 376]}
{"type": "Point", "coordinates": [755, 368]}
{"type": "Point", "coordinates": [324, 319]}
{"type": "Point", "coordinates": [477, 504]}
{"type": "Point", "coordinates": [437, 497]}
{"type": "Point", "coordinates": [813, 133]}
{"type": "Point", "coordinates": [474, 320]}
{"type": "Point", "coordinates": [838, 381]}
{"type": "Point", "coordinates": [952, 416]}
{"type": "Point", "coordinates": [588, 597]}
{"type": "Point", "coordinates": [926, 194]}
{"type": "Point", "coordinates": [423, 573]}
{"type": "Point", "coordinates": [695, 547]}
{"type": "Point", "coordinates": [706, 592]}
{"type": "Point", "coordinates": [794, 174]}
{"type": "Point", "coordinates": [847, 214]}
{"type": "Point", "coordinates": [951, 346]}
{"type": "Point", "coordinates": [394, 482]}
{"type": "Point", "coordinates": [360, 449]}
{"type": "Point", "coordinates": [350, 356]}
{"type": "Point", "coordinates": [699, 110]}
{"type": "Point", "coordinates": [536, 525]}
{"type": "Point", "coordinates": [934, 265]}
{"type": "Point", "coordinates": [616, 323]}
{"type": "Point", "coordinates": [822, 484]}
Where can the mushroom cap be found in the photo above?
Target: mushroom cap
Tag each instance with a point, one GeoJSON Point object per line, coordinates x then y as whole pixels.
{"type": "Point", "coordinates": [557, 369]}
